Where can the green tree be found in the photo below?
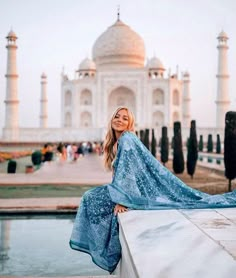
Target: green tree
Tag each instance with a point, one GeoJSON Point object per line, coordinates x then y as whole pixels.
{"type": "Point", "coordinates": [178, 156]}
{"type": "Point", "coordinates": [142, 135]}
{"type": "Point", "coordinates": [210, 144]}
{"type": "Point", "coordinates": [153, 144]}
{"type": "Point", "coordinates": [192, 155]}
{"type": "Point", "coordinates": [36, 158]}
{"type": "Point", "coordinates": [218, 144]}
{"type": "Point", "coordinates": [146, 138]}
{"type": "Point", "coordinates": [230, 147]}
{"type": "Point", "coordinates": [164, 146]}
{"type": "Point", "coordinates": [201, 144]}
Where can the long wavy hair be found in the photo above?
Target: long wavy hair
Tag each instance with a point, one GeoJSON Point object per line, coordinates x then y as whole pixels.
{"type": "Point", "coordinates": [111, 139]}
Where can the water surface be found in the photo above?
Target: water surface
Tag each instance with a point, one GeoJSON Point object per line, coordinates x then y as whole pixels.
{"type": "Point", "coordinates": [39, 246]}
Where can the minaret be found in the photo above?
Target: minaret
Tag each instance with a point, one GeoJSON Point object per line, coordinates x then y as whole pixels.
{"type": "Point", "coordinates": [186, 100]}
{"type": "Point", "coordinates": [12, 102]}
{"type": "Point", "coordinates": [43, 102]}
{"type": "Point", "coordinates": [222, 100]}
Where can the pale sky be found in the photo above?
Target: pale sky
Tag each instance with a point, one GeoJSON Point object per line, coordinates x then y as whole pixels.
{"type": "Point", "coordinates": [56, 33]}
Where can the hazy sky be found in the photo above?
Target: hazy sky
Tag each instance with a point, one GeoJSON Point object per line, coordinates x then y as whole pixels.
{"type": "Point", "coordinates": [56, 33]}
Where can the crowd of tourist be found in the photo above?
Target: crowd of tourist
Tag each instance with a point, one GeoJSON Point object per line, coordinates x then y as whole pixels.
{"type": "Point", "coordinates": [69, 151]}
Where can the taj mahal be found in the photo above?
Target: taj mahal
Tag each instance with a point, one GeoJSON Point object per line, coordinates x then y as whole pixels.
{"type": "Point", "coordinates": [118, 74]}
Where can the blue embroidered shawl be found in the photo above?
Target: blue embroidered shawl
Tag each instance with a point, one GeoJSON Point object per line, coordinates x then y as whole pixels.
{"type": "Point", "coordinates": [142, 182]}
{"type": "Point", "coordinates": [139, 182]}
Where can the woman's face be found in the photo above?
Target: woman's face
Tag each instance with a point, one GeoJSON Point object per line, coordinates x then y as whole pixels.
{"type": "Point", "coordinates": [120, 121]}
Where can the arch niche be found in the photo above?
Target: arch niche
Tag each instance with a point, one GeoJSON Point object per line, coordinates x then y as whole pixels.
{"type": "Point", "coordinates": [158, 119]}
{"type": "Point", "coordinates": [121, 96]}
{"type": "Point", "coordinates": [86, 119]}
{"type": "Point", "coordinates": [68, 98]}
{"type": "Point", "coordinates": [158, 97]}
{"type": "Point", "coordinates": [176, 98]}
{"type": "Point", "coordinates": [86, 97]}
{"type": "Point", "coordinates": [68, 121]}
{"type": "Point", "coordinates": [176, 117]}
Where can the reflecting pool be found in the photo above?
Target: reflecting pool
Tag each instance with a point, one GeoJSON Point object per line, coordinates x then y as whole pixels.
{"type": "Point", "coordinates": [39, 246]}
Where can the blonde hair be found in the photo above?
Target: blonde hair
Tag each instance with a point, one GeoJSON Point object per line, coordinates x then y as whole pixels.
{"type": "Point", "coordinates": [111, 139]}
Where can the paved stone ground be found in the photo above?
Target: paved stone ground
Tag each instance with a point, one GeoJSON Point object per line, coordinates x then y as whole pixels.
{"type": "Point", "coordinates": [86, 170]}
{"type": "Point", "coordinates": [39, 204]}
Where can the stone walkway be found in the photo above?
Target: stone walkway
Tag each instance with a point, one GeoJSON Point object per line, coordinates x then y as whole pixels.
{"type": "Point", "coordinates": [86, 170]}
{"type": "Point", "coordinates": [39, 205]}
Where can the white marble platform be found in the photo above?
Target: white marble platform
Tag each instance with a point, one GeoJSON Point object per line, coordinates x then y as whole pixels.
{"type": "Point", "coordinates": [178, 243]}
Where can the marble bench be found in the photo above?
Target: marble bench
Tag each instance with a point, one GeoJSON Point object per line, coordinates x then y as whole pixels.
{"type": "Point", "coordinates": [178, 243]}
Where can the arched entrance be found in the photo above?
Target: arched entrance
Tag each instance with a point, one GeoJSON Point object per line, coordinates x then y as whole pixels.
{"type": "Point", "coordinates": [157, 119]}
{"type": "Point", "coordinates": [86, 119]}
{"type": "Point", "coordinates": [121, 96]}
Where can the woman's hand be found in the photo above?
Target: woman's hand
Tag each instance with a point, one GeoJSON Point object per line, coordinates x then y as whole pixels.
{"type": "Point", "coordinates": [119, 209]}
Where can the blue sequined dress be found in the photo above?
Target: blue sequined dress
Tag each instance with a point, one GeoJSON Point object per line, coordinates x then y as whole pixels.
{"type": "Point", "coordinates": [139, 182]}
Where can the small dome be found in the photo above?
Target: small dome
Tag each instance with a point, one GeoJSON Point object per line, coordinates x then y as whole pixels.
{"type": "Point", "coordinates": [87, 64]}
{"type": "Point", "coordinates": [155, 63]}
{"type": "Point", "coordinates": [119, 45]}
{"type": "Point", "coordinates": [186, 74]}
{"type": "Point", "coordinates": [222, 35]}
{"type": "Point", "coordinates": [11, 35]}
{"type": "Point", "coordinates": [43, 75]}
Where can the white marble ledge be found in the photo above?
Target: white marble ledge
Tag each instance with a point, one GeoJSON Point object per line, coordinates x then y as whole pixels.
{"type": "Point", "coordinates": [178, 243]}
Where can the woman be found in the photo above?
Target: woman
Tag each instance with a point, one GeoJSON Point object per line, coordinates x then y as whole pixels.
{"type": "Point", "coordinates": [139, 182]}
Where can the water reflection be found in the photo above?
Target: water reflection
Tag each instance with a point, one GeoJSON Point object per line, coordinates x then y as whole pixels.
{"type": "Point", "coordinates": [4, 242]}
{"type": "Point", "coordinates": [39, 247]}
{"type": "Point", "coordinates": [211, 159]}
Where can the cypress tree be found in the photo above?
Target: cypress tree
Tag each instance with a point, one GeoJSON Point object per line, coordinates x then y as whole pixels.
{"type": "Point", "coordinates": [142, 135]}
{"type": "Point", "coordinates": [172, 143]}
{"type": "Point", "coordinates": [210, 144]}
{"type": "Point", "coordinates": [178, 156]}
{"type": "Point", "coordinates": [192, 150]}
{"type": "Point", "coordinates": [153, 144]}
{"type": "Point", "coordinates": [11, 166]}
{"type": "Point", "coordinates": [230, 147]}
{"type": "Point", "coordinates": [187, 142]}
{"type": "Point", "coordinates": [200, 145]}
{"type": "Point", "coordinates": [164, 146]}
{"type": "Point", "coordinates": [218, 144]}
{"type": "Point", "coordinates": [146, 138]}
{"type": "Point", "coordinates": [36, 158]}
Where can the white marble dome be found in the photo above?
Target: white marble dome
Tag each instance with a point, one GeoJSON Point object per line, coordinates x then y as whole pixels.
{"type": "Point", "coordinates": [87, 64]}
{"type": "Point", "coordinates": [43, 75]}
{"type": "Point", "coordinates": [155, 63]}
{"type": "Point", "coordinates": [119, 46]}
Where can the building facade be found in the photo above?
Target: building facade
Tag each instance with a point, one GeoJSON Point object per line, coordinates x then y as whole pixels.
{"type": "Point", "coordinates": [118, 75]}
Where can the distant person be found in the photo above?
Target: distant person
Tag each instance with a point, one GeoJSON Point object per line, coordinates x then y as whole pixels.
{"type": "Point", "coordinates": [61, 152]}
{"type": "Point", "coordinates": [47, 152]}
{"type": "Point", "coordinates": [80, 150]}
{"type": "Point", "coordinates": [69, 153]}
{"type": "Point", "coordinates": [139, 181]}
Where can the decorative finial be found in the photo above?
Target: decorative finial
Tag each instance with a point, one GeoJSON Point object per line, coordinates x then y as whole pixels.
{"type": "Point", "coordinates": [118, 12]}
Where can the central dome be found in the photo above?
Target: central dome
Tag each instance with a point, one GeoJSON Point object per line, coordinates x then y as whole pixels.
{"type": "Point", "coordinates": [119, 46]}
